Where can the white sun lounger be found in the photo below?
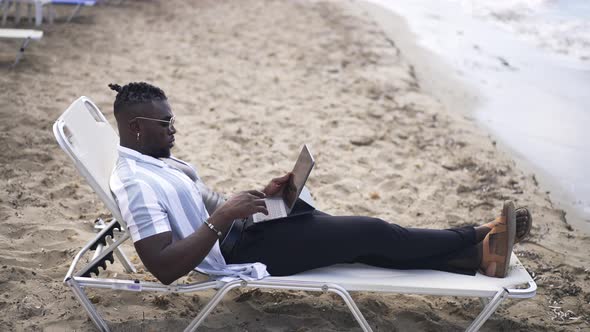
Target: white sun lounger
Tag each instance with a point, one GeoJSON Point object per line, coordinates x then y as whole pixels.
{"type": "Point", "coordinates": [86, 136]}
{"type": "Point", "coordinates": [38, 4]}
{"type": "Point", "coordinates": [25, 35]}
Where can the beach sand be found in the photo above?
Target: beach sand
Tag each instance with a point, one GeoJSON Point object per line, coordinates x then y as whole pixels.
{"type": "Point", "coordinates": [250, 81]}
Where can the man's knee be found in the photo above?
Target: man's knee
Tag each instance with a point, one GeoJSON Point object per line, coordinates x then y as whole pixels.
{"type": "Point", "coordinates": [380, 228]}
{"type": "Point", "coordinates": [376, 225]}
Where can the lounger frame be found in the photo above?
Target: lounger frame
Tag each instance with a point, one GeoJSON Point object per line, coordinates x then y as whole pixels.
{"type": "Point", "coordinates": [26, 35]}
{"type": "Point", "coordinates": [106, 246]}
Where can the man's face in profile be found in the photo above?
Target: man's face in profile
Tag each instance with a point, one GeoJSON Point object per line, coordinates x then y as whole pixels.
{"type": "Point", "coordinates": [158, 136]}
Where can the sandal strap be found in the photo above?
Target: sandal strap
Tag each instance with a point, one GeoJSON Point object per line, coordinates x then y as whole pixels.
{"type": "Point", "coordinates": [497, 221]}
{"type": "Point", "coordinates": [499, 225]}
{"type": "Point", "coordinates": [486, 247]}
{"type": "Point", "coordinates": [488, 256]}
{"type": "Point", "coordinates": [500, 228]}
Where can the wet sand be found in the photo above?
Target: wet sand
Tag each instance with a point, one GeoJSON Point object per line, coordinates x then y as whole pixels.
{"type": "Point", "coordinates": [250, 81]}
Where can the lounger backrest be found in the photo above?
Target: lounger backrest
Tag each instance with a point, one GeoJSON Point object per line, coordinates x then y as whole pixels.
{"type": "Point", "coordinates": [86, 136]}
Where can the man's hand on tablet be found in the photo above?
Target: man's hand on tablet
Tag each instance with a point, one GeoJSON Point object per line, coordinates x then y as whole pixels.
{"type": "Point", "coordinates": [241, 205]}
{"type": "Point", "coordinates": [276, 185]}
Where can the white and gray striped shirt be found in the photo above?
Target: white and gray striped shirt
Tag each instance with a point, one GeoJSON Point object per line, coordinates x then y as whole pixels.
{"type": "Point", "coordinates": [155, 197]}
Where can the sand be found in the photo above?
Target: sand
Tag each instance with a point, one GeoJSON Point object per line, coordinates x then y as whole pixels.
{"type": "Point", "coordinates": [250, 81]}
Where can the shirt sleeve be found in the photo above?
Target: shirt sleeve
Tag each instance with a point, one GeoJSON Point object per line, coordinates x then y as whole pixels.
{"type": "Point", "coordinates": [140, 208]}
{"type": "Point", "coordinates": [212, 199]}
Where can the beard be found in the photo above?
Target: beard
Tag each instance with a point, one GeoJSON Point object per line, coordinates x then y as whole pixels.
{"type": "Point", "coordinates": [165, 153]}
{"type": "Point", "coordinates": [161, 153]}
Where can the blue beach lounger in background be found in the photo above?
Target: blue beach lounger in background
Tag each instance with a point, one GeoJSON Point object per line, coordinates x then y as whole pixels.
{"type": "Point", "coordinates": [89, 140]}
{"type": "Point", "coordinates": [77, 5]}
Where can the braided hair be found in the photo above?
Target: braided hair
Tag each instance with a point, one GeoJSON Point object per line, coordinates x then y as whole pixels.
{"type": "Point", "coordinates": [135, 93]}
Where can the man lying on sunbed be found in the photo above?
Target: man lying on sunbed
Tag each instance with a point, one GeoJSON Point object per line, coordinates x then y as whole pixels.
{"type": "Point", "coordinates": [178, 224]}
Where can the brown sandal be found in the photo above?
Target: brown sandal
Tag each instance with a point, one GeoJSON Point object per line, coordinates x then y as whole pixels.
{"type": "Point", "coordinates": [498, 243]}
{"type": "Point", "coordinates": [528, 224]}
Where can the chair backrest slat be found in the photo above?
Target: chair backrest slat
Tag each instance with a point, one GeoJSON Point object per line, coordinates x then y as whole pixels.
{"type": "Point", "coordinates": [86, 136]}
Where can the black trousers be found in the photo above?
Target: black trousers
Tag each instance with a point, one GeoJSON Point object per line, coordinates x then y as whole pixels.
{"type": "Point", "coordinates": [299, 243]}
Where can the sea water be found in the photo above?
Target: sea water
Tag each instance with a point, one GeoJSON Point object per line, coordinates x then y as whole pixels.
{"type": "Point", "coordinates": [530, 62]}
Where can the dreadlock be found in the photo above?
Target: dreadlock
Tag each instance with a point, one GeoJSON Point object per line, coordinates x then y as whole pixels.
{"type": "Point", "coordinates": [135, 93]}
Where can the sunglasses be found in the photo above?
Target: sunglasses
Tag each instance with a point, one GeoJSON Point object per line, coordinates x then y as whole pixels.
{"type": "Point", "coordinates": [169, 122]}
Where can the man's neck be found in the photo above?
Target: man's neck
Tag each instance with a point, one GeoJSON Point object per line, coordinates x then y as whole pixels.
{"type": "Point", "coordinates": [133, 146]}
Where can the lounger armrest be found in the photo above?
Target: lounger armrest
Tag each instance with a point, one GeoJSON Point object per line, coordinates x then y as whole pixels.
{"type": "Point", "coordinates": [99, 263]}
{"type": "Point", "coordinates": [100, 239]}
{"type": "Point", "coordinates": [107, 231]}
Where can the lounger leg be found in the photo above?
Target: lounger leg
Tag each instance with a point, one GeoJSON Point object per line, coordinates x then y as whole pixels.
{"type": "Point", "coordinates": [74, 12]}
{"type": "Point", "coordinates": [90, 309]}
{"type": "Point", "coordinates": [21, 52]}
{"type": "Point", "coordinates": [17, 13]}
{"type": "Point", "coordinates": [487, 311]}
{"type": "Point", "coordinates": [129, 267]}
{"type": "Point", "coordinates": [235, 284]}
{"type": "Point", "coordinates": [5, 6]}
{"type": "Point", "coordinates": [211, 305]}
{"type": "Point", "coordinates": [38, 13]}
{"type": "Point", "coordinates": [354, 309]}
{"type": "Point", "coordinates": [51, 13]}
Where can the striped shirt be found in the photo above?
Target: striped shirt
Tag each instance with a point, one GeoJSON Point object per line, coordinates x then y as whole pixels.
{"type": "Point", "coordinates": [155, 197]}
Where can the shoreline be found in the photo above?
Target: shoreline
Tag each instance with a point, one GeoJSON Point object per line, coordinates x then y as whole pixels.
{"type": "Point", "coordinates": [438, 78]}
{"type": "Point", "coordinates": [433, 74]}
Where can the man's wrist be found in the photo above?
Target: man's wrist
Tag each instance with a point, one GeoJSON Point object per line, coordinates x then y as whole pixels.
{"type": "Point", "coordinates": [219, 218]}
{"type": "Point", "coordinates": [213, 228]}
